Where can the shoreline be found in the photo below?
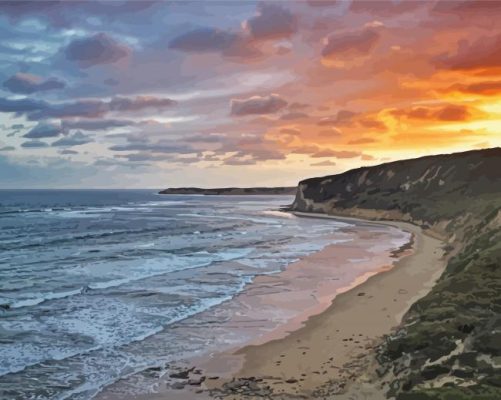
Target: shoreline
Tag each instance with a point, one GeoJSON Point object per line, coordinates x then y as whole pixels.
{"type": "Point", "coordinates": [341, 267]}
{"type": "Point", "coordinates": [334, 351]}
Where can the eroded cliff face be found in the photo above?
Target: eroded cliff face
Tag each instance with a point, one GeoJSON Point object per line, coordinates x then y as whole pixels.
{"type": "Point", "coordinates": [449, 344]}
{"type": "Point", "coordinates": [426, 191]}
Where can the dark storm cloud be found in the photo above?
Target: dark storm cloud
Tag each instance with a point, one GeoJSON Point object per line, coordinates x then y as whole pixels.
{"type": "Point", "coordinates": [44, 130]}
{"type": "Point", "coordinates": [257, 105]}
{"type": "Point", "coordinates": [28, 83]}
{"type": "Point", "coordinates": [271, 22]}
{"type": "Point", "coordinates": [100, 48]}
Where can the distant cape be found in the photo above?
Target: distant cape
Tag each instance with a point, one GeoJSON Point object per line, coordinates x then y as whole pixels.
{"type": "Point", "coordinates": [232, 191]}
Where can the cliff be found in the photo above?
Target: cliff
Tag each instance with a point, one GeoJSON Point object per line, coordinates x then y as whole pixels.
{"type": "Point", "coordinates": [449, 344]}
{"type": "Point", "coordinates": [232, 191]}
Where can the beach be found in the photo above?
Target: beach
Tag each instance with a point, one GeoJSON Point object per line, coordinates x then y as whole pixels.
{"type": "Point", "coordinates": [328, 349]}
{"type": "Point", "coordinates": [333, 348]}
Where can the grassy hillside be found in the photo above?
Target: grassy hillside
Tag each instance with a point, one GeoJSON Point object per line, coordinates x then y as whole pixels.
{"type": "Point", "coordinates": [449, 346]}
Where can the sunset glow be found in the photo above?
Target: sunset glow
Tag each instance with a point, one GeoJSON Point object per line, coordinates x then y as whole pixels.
{"type": "Point", "coordinates": [154, 94]}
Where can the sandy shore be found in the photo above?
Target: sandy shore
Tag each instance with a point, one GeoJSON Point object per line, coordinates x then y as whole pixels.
{"type": "Point", "coordinates": [334, 347]}
{"type": "Point", "coordinates": [315, 356]}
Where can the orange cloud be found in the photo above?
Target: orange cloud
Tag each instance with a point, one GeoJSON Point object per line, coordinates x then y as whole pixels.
{"type": "Point", "coordinates": [449, 112]}
{"type": "Point", "coordinates": [482, 53]}
{"type": "Point", "coordinates": [487, 88]}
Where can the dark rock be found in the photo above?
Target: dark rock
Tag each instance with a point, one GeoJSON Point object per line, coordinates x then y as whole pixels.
{"type": "Point", "coordinates": [177, 385]}
{"type": "Point", "coordinates": [183, 374]}
{"type": "Point", "coordinates": [291, 380]}
{"type": "Point", "coordinates": [196, 381]}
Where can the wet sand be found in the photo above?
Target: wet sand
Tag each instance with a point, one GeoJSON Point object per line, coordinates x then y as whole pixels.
{"type": "Point", "coordinates": [334, 348]}
{"type": "Point", "coordinates": [320, 350]}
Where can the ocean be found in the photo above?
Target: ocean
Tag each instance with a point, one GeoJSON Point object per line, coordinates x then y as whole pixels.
{"type": "Point", "coordinates": [97, 285]}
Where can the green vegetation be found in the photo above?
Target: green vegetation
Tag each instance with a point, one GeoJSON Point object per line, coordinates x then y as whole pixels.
{"type": "Point", "coordinates": [449, 345]}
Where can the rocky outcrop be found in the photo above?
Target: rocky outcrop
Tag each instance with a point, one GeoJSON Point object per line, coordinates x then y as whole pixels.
{"type": "Point", "coordinates": [449, 344]}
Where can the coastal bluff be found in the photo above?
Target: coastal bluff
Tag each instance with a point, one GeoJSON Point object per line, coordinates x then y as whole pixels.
{"type": "Point", "coordinates": [231, 191]}
{"type": "Point", "coordinates": [449, 343]}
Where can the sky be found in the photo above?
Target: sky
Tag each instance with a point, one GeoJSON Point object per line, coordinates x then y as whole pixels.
{"type": "Point", "coordinates": [155, 94]}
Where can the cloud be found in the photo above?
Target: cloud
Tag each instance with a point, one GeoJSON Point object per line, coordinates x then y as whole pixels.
{"type": "Point", "coordinates": [271, 22]}
{"type": "Point", "coordinates": [67, 152]}
{"type": "Point", "coordinates": [362, 141]}
{"type": "Point", "coordinates": [294, 115]}
{"type": "Point", "coordinates": [326, 163]}
{"type": "Point", "coordinates": [162, 146]}
{"type": "Point", "coordinates": [385, 8]}
{"type": "Point", "coordinates": [210, 138]}
{"type": "Point", "coordinates": [236, 160]}
{"type": "Point", "coordinates": [7, 148]}
{"type": "Point", "coordinates": [96, 125]}
{"type": "Point", "coordinates": [78, 108]}
{"type": "Point", "coordinates": [343, 117]}
{"type": "Point", "coordinates": [449, 112]}
{"type": "Point", "coordinates": [204, 40]}
{"type": "Point", "coordinates": [44, 130]}
{"type": "Point", "coordinates": [336, 154]}
{"type": "Point", "coordinates": [257, 105]}
{"type": "Point", "coordinates": [372, 123]}
{"type": "Point", "coordinates": [100, 48]}
{"type": "Point", "coordinates": [34, 144]}
{"type": "Point", "coordinates": [57, 12]}
{"type": "Point", "coordinates": [213, 40]}
{"type": "Point", "coordinates": [305, 149]}
{"type": "Point", "coordinates": [75, 139]}
{"type": "Point", "coordinates": [323, 3]}
{"type": "Point", "coordinates": [486, 88]}
{"type": "Point", "coordinates": [290, 131]}
{"type": "Point", "coordinates": [142, 157]}
{"type": "Point", "coordinates": [332, 132]}
{"type": "Point", "coordinates": [95, 108]}
{"type": "Point", "coordinates": [483, 53]}
{"type": "Point", "coordinates": [28, 83]}
{"type": "Point", "coordinates": [21, 105]}
{"type": "Point", "coordinates": [139, 103]}
{"type": "Point", "coordinates": [351, 43]}
{"type": "Point", "coordinates": [467, 8]}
